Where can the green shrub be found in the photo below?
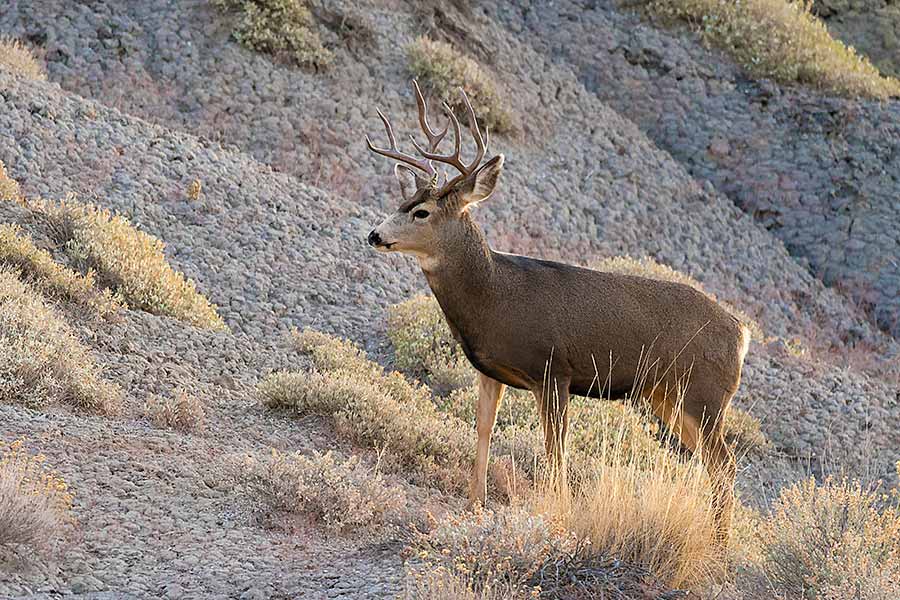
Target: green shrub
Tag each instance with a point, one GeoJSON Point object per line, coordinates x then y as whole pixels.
{"type": "Point", "coordinates": [278, 27]}
{"type": "Point", "coordinates": [783, 41]}
{"type": "Point", "coordinates": [443, 69]}
{"type": "Point", "coordinates": [41, 359]}
{"type": "Point", "coordinates": [128, 260]}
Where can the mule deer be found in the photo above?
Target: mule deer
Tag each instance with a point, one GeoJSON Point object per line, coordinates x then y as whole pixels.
{"type": "Point", "coordinates": [538, 325]}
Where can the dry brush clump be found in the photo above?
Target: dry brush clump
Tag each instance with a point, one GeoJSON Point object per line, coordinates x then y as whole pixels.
{"type": "Point", "coordinates": [19, 60]}
{"type": "Point", "coordinates": [34, 502]}
{"type": "Point", "coordinates": [180, 411]}
{"type": "Point", "coordinates": [830, 540]}
{"type": "Point", "coordinates": [40, 270]}
{"type": "Point", "coordinates": [783, 41]}
{"type": "Point", "coordinates": [128, 260]}
{"type": "Point", "coordinates": [41, 359]}
{"type": "Point", "coordinates": [744, 433]}
{"type": "Point", "coordinates": [344, 495]}
{"type": "Point", "coordinates": [9, 187]}
{"type": "Point", "coordinates": [444, 69]}
{"type": "Point", "coordinates": [282, 28]}
{"type": "Point", "coordinates": [382, 410]}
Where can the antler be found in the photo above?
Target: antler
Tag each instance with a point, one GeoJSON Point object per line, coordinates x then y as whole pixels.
{"type": "Point", "coordinates": [454, 159]}
{"type": "Point", "coordinates": [434, 139]}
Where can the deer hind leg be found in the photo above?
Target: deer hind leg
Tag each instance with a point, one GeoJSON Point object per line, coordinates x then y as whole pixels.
{"type": "Point", "coordinates": [490, 391]}
{"type": "Point", "coordinates": [699, 426]}
{"type": "Point", "coordinates": [553, 404]}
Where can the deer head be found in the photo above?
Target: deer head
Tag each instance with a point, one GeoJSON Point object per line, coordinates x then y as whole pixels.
{"type": "Point", "coordinates": [434, 209]}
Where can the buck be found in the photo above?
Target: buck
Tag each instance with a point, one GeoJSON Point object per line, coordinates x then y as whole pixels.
{"type": "Point", "coordinates": [549, 327]}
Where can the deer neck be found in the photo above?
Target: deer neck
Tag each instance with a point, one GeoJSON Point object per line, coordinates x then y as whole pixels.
{"type": "Point", "coordinates": [461, 279]}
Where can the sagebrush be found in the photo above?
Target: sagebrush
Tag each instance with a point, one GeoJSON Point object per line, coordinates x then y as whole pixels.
{"type": "Point", "coordinates": [181, 411]}
{"type": "Point", "coordinates": [35, 503]}
{"type": "Point", "coordinates": [128, 260]}
{"type": "Point", "coordinates": [278, 27]}
{"type": "Point", "coordinates": [342, 494]}
{"type": "Point", "coordinates": [9, 187]}
{"type": "Point", "coordinates": [41, 359]}
{"type": "Point", "coordinates": [783, 41]}
{"type": "Point", "coordinates": [19, 60]}
{"type": "Point", "coordinates": [443, 69]}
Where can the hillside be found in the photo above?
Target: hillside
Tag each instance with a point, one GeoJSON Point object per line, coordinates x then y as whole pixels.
{"type": "Point", "coordinates": [633, 140]}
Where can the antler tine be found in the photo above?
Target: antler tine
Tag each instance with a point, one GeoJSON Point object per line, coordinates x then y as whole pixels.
{"type": "Point", "coordinates": [476, 133]}
{"type": "Point", "coordinates": [434, 139]}
{"type": "Point", "coordinates": [395, 153]}
{"type": "Point", "coordinates": [449, 159]}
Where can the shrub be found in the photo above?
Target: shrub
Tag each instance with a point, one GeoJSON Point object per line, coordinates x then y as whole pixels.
{"type": "Point", "coordinates": [382, 410]}
{"type": "Point", "coordinates": [444, 70]}
{"type": "Point", "coordinates": [18, 60]}
{"type": "Point", "coordinates": [128, 260]}
{"type": "Point", "coordinates": [649, 268]}
{"type": "Point", "coordinates": [41, 359]}
{"type": "Point", "coordinates": [9, 187]}
{"type": "Point", "coordinates": [834, 540]}
{"type": "Point", "coordinates": [783, 41]}
{"type": "Point", "coordinates": [744, 433]}
{"type": "Point", "coordinates": [424, 346]}
{"type": "Point", "coordinates": [282, 28]}
{"type": "Point", "coordinates": [34, 501]}
{"type": "Point", "coordinates": [343, 495]}
{"type": "Point", "coordinates": [39, 268]}
{"type": "Point", "coordinates": [181, 411]}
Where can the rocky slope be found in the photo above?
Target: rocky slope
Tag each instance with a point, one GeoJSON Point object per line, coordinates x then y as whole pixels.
{"type": "Point", "coordinates": [146, 98]}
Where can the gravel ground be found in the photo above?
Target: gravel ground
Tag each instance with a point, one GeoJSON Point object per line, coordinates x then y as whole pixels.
{"type": "Point", "coordinates": [276, 239]}
{"type": "Point", "coordinates": [822, 174]}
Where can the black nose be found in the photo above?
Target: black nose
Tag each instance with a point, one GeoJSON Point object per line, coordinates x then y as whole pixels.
{"type": "Point", "coordinates": [374, 238]}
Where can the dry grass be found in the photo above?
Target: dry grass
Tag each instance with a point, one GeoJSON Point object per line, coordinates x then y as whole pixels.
{"type": "Point", "coordinates": [9, 187]}
{"type": "Point", "coordinates": [444, 69]}
{"type": "Point", "coordinates": [18, 60]}
{"type": "Point", "coordinates": [381, 410]}
{"type": "Point", "coordinates": [34, 502]}
{"type": "Point", "coordinates": [180, 411]}
{"type": "Point", "coordinates": [343, 495]}
{"type": "Point", "coordinates": [783, 41]}
{"type": "Point", "coordinates": [43, 273]}
{"type": "Point", "coordinates": [649, 268]}
{"type": "Point", "coordinates": [127, 260]}
{"type": "Point", "coordinates": [744, 432]}
{"type": "Point", "coordinates": [282, 28]}
{"type": "Point", "coordinates": [832, 540]}
{"type": "Point", "coordinates": [41, 359]}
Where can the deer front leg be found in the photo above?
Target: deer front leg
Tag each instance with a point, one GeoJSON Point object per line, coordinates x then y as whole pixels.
{"type": "Point", "coordinates": [489, 393]}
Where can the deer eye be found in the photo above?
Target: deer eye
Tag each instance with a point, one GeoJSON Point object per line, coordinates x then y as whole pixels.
{"type": "Point", "coordinates": [420, 214]}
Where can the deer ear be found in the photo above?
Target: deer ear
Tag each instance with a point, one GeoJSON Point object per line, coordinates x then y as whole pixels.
{"type": "Point", "coordinates": [410, 180]}
{"type": "Point", "coordinates": [481, 183]}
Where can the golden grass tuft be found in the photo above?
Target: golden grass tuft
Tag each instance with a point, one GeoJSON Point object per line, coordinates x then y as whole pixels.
{"type": "Point", "coordinates": [744, 433]}
{"type": "Point", "coordinates": [34, 501]}
{"type": "Point", "coordinates": [41, 359]}
{"type": "Point", "coordinates": [650, 269]}
{"type": "Point", "coordinates": [282, 28]}
{"type": "Point", "coordinates": [783, 41]}
{"type": "Point", "coordinates": [832, 540]}
{"type": "Point", "coordinates": [343, 495]}
{"type": "Point", "coordinates": [381, 410]}
{"type": "Point", "coordinates": [17, 59]}
{"type": "Point", "coordinates": [128, 260]}
{"type": "Point", "coordinates": [9, 187]}
{"type": "Point", "coordinates": [444, 69]}
{"type": "Point", "coordinates": [43, 273]}
{"type": "Point", "coordinates": [180, 411]}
